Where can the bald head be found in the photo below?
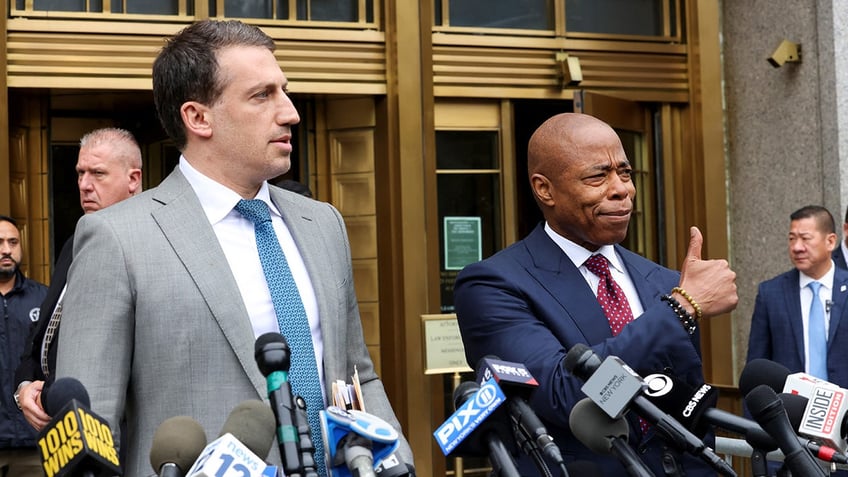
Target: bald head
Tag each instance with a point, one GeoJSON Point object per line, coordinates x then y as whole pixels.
{"type": "Point", "coordinates": [580, 177]}
{"type": "Point", "coordinates": [560, 139]}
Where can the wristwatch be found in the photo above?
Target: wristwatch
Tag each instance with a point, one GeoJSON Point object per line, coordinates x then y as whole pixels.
{"type": "Point", "coordinates": [17, 394]}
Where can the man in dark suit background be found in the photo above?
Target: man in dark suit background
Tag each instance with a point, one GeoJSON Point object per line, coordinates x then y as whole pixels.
{"type": "Point", "coordinates": [841, 249]}
{"type": "Point", "coordinates": [533, 301]}
{"type": "Point", "coordinates": [108, 171]}
{"type": "Point", "coordinates": [780, 326]}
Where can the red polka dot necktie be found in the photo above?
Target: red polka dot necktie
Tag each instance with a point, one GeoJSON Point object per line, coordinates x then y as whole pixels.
{"type": "Point", "coordinates": [614, 303]}
{"type": "Point", "coordinates": [610, 296]}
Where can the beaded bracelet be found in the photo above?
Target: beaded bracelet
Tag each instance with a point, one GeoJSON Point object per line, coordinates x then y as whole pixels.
{"type": "Point", "coordinates": [691, 301]}
{"type": "Point", "coordinates": [688, 322]}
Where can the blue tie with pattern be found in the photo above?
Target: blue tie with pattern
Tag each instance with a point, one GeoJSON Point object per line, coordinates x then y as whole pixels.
{"type": "Point", "coordinates": [291, 317]}
{"type": "Point", "coordinates": [817, 334]}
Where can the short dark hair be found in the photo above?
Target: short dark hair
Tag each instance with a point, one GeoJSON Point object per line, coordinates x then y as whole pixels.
{"type": "Point", "coordinates": [823, 217]}
{"type": "Point", "coordinates": [186, 69]}
{"type": "Point", "coordinates": [6, 218]}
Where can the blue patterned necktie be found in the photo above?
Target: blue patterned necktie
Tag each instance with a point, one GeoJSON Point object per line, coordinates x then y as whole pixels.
{"type": "Point", "coordinates": [817, 335]}
{"type": "Point", "coordinates": [291, 316]}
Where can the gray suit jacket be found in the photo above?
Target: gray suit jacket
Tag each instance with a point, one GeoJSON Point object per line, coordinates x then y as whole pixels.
{"type": "Point", "coordinates": [154, 325]}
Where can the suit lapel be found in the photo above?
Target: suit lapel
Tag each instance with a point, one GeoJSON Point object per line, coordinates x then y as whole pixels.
{"type": "Point", "coordinates": [555, 272]}
{"type": "Point", "coordinates": [184, 224]}
{"type": "Point", "coordinates": [311, 242]}
{"type": "Point", "coordinates": [839, 301]}
{"type": "Point", "coordinates": [792, 310]}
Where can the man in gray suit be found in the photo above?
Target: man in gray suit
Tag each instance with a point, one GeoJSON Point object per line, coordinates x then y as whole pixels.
{"type": "Point", "coordinates": [166, 294]}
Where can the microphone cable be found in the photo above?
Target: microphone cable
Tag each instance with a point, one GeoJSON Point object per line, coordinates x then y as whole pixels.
{"type": "Point", "coordinates": [531, 448]}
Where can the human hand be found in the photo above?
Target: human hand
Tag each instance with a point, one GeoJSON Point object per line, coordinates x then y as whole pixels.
{"type": "Point", "coordinates": [30, 398]}
{"type": "Point", "coordinates": [711, 283]}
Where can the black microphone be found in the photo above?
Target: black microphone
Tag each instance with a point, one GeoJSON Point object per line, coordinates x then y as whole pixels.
{"type": "Point", "coordinates": [605, 435]}
{"type": "Point", "coordinates": [393, 466]}
{"type": "Point", "coordinates": [584, 363]}
{"type": "Point", "coordinates": [768, 410]}
{"type": "Point", "coordinates": [273, 357]}
{"type": "Point", "coordinates": [695, 410]}
{"type": "Point", "coordinates": [177, 443]}
{"type": "Point", "coordinates": [252, 423]}
{"type": "Point", "coordinates": [518, 384]}
{"type": "Point", "coordinates": [763, 371]}
{"type": "Point", "coordinates": [479, 430]}
{"type": "Point", "coordinates": [76, 442]}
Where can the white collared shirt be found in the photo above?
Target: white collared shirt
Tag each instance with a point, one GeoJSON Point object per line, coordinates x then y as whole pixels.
{"type": "Point", "coordinates": [238, 240]}
{"type": "Point", "coordinates": [578, 255]}
{"type": "Point", "coordinates": [825, 295]}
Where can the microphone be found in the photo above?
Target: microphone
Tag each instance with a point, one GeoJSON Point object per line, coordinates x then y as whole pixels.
{"type": "Point", "coordinates": [671, 395]}
{"type": "Point", "coordinates": [252, 423]}
{"type": "Point", "coordinates": [615, 388]}
{"type": "Point", "coordinates": [824, 418]}
{"type": "Point", "coordinates": [605, 435]}
{"type": "Point", "coordinates": [778, 378]}
{"type": "Point", "coordinates": [242, 446]}
{"type": "Point", "coordinates": [76, 442]}
{"type": "Point", "coordinates": [355, 441]}
{"type": "Point", "coordinates": [796, 406]}
{"type": "Point", "coordinates": [475, 430]}
{"type": "Point", "coordinates": [768, 410]}
{"type": "Point", "coordinates": [517, 383]}
{"type": "Point", "coordinates": [177, 443]}
{"type": "Point", "coordinates": [392, 466]}
{"type": "Point", "coordinates": [273, 357]}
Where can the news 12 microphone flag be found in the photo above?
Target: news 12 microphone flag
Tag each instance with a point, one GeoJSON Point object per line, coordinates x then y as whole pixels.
{"type": "Point", "coordinates": [226, 456]}
{"type": "Point", "coordinates": [73, 436]}
{"type": "Point", "coordinates": [469, 416]}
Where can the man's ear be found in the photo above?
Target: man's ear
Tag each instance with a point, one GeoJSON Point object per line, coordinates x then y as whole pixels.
{"type": "Point", "coordinates": [542, 189]}
{"type": "Point", "coordinates": [197, 119]}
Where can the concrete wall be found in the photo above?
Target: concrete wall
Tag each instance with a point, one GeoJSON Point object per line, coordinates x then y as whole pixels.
{"type": "Point", "coordinates": [784, 147]}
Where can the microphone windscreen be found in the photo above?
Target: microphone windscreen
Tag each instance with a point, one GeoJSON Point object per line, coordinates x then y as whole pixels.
{"type": "Point", "coordinates": [61, 392]}
{"type": "Point", "coordinates": [574, 356]}
{"type": "Point", "coordinates": [272, 353]}
{"type": "Point", "coordinates": [594, 428]}
{"type": "Point", "coordinates": [252, 423]}
{"type": "Point", "coordinates": [270, 337]}
{"type": "Point", "coordinates": [178, 440]}
{"type": "Point", "coordinates": [763, 371]}
{"type": "Point", "coordinates": [463, 392]}
{"type": "Point", "coordinates": [795, 406]}
{"type": "Point", "coordinates": [763, 402]}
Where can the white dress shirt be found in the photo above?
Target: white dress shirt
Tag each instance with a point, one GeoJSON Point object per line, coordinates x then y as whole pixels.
{"type": "Point", "coordinates": [578, 255]}
{"type": "Point", "coordinates": [238, 240]}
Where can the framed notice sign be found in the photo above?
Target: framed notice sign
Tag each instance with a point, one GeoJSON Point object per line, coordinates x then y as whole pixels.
{"type": "Point", "coordinates": [463, 244]}
{"type": "Point", "coordinates": [443, 349]}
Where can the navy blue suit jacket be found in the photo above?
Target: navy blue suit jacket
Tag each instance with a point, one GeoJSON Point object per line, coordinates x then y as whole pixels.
{"type": "Point", "coordinates": [839, 257]}
{"type": "Point", "coordinates": [778, 334]}
{"type": "Point", "coordinates": [529, 304]}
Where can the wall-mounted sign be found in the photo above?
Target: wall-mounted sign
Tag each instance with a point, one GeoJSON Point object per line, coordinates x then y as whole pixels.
{"type": "Point", "coordinates": [463, 244]}
{"type": "Point", "coordinates": [443, 349]}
